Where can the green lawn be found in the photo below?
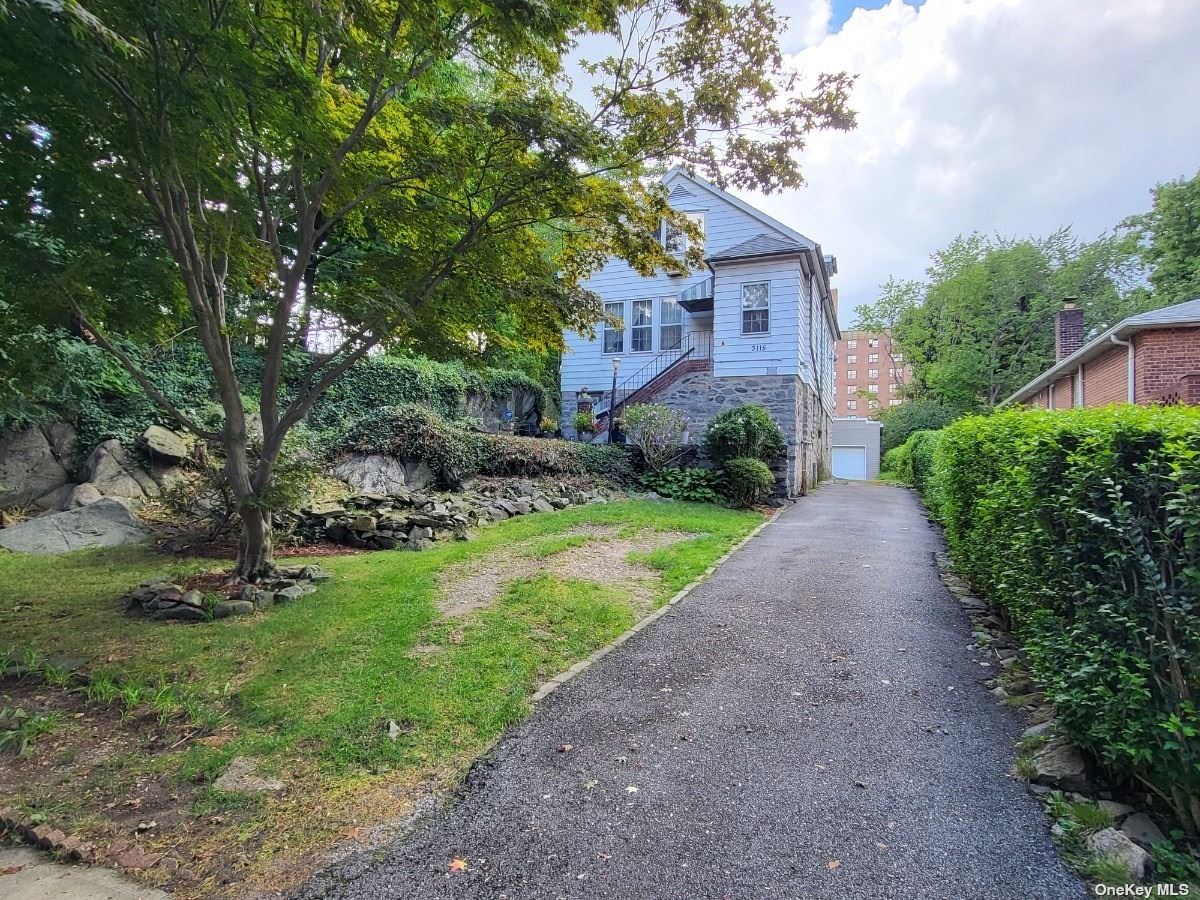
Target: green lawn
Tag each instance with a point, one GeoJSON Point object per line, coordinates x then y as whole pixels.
{"type": "Point", "coordinates": [311, 687]}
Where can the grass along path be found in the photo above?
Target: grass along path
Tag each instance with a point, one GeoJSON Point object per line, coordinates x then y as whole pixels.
{"type": "Point", "coordinates": [310, 690]}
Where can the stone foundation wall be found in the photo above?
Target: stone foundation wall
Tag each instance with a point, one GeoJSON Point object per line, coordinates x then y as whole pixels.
{"type": "Point", "coordinates": [791, 403]}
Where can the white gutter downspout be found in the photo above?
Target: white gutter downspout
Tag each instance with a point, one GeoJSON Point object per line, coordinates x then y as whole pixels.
{"type": "Point", "coordinates": [1129, 364]}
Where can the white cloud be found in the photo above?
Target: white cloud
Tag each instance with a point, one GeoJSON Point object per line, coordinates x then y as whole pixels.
{"type": "Point", "coordinates": [1009, 116]}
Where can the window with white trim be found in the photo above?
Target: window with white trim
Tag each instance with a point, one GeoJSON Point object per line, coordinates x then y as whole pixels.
{"type": "Point", "coordinates": [852, 359]}
{"type": "Point", "coordinates": [852, 374]}
{"type": "Point", "coordinates": [670, 319]}
{"type": "Point", "coordinates": [895, 401]}
{"type": "Point", "coordinates": [852, 389]}
{"type": "Point", "coordinates": [614, 327]}
{"type": "Point", "coordinates": [675, 240]}
{"type": "Point", "coordinates": [851, 404]}
{"type": "Point", "coordinates": [872, 373]}
{"type": "Point", "coordinates": [756, 307]}
{"type": "Point", "coordinates": [641, 327]}
{"type": "Point", "coordinates": [872, 342]}
{"type": "Point", "coordinates": [853, 345]}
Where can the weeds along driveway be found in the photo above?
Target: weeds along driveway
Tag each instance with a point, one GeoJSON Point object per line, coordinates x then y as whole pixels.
{"type": "Point", "coordinates": [809, 723]}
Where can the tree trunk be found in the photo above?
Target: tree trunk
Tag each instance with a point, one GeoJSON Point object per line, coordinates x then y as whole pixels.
{"type": "Point", "coordinates": [256, 549]}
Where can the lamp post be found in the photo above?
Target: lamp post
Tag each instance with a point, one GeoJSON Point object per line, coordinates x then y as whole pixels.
{"type": "Point", "coordinates": [612, 400]}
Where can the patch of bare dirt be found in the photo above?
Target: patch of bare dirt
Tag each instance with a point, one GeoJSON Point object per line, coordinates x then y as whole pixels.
{"type": "Point", "coordinates": [604, 558]}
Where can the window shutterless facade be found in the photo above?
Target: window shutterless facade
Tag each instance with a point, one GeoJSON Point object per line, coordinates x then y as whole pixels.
{"type": "Point", "coordinates": [614, 331]}
{"type": "Point", "coordinates": [756, 307]}
{"type": "Point", "coordinates": [641, 327]}
{"type": "Point", "coordinates": [670, 318]}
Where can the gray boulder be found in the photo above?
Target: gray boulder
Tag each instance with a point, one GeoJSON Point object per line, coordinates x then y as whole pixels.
{"type": "Point", "coordinates": [82, 495]}
{"type": "Point", "coordinates": [1061, 765]}
{"type": "Point", "coordinates": [378, 474]}
{"type": "Point", "coordinates": [33, 463]}
{"type": "Point", "coordinates": [164, 443]}
{"type": "Point", "coordinates": [113, 474]}
{"type": "Point", "coordinates": [105, 523]}
{"type": "Point", "coordinates": [1114, 845]}
{"type": "Point", "coordinates": [1141, 829]}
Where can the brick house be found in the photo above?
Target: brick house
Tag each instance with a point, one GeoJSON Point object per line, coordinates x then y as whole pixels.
{"type": "Point", "coordinates": [1153, 357]}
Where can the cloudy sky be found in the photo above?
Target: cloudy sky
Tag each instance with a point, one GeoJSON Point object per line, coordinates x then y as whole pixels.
{"type": "Point", "coordinates": [1008, 116]}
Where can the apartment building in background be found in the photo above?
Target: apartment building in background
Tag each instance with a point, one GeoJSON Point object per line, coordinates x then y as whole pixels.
{"type": "Point", "coordinates": [868, 374]}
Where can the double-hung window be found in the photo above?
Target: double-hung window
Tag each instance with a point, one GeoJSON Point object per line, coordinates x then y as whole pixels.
{"type": "Point", "coordinates": [641, 327]}
{"type": "Point", "coordinates": [675, 240]}
{"type": "Point", "coordinates": [670, 320]}
{"type": "Point", "coordinates": [614, 327]}
{"type": "Point", "coordinates": [756, 307]}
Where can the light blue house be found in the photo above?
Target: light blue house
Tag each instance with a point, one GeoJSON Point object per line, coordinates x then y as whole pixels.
{"type": "Point", "coordinates": [758, 325]}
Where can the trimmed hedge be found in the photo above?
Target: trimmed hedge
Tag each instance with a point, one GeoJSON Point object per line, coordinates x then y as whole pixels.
{"type": "Point", "coordinates": [454, 453]}
{"type": "Point", "coordinates": [912, 462]}
{"type": "Point", "coordinates": [1084, 527]}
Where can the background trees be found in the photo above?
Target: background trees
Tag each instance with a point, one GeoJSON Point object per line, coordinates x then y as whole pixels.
{"type": "Point", "coordinates": [1168, 239]}
{"type": "Point", "coordinates": [982, 323]}
{"type": "Point", "coordinates": [416, 171]}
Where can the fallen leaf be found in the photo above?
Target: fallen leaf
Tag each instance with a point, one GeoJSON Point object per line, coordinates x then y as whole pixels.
{"type": "Point", "coordinates": [860, 784]}
{"type": "Point", "coordinates": [632, 789]}
{"type": "Point", "coordinates": [11, 870]}
{"type": "Point", "coordinates": [833, 864]}
{"type": "Point", "coordinates": [458, 865]}
{"type": "Point", "coordinates": [881, 845]}
{"type": "Point", "coordinates": [563, 748]}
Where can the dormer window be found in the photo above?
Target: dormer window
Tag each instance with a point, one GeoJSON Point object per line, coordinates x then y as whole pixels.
{"type": "Point", "coordinates": [674, 240]}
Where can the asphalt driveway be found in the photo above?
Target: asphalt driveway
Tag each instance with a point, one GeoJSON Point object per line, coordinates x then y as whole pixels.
{"type": "Point", "coordinates": [810, 723]}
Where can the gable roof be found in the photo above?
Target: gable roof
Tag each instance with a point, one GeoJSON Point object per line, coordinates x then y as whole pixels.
{"type": "Point", "coordinates": [760, 245]}
{"type": "Point", "coordinates": [1186, 313]}
{"type": "Point", "coordinates": [671, 180]}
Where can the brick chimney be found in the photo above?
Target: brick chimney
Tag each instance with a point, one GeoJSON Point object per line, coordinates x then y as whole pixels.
{"type": "Point", "coordinates": [1068, 329]}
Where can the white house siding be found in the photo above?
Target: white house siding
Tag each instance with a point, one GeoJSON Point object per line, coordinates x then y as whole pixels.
{"type": "Point", "coordinates": [736, 354]}
{"type": "Point", "coordinates": [584, 364]}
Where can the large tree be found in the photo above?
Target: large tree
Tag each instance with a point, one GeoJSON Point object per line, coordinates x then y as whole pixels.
{"type": "Point", "coordinates": [1168, 239]}
{"type": "Point", "coordinates": [982, 324]}
{"type": "Point", "coordinates": [418, 168]}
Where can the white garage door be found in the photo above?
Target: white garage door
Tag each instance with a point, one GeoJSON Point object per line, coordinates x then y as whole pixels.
{"type": "Point", "coordinates": [850, 462]}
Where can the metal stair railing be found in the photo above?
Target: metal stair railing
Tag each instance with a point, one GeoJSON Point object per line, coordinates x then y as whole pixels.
{"type": "Point", "coordinates": [695, 345]}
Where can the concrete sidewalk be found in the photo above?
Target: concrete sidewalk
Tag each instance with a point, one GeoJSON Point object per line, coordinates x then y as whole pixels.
{"type": "Point", "coordinates": [810, 723]}
{"type": "Point", "coordinates": [39, 877]}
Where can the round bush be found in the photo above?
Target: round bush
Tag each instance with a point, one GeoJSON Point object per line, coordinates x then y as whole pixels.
{"type": "Point", "coordinates": [743, 432]}
{"type": "Point", "coordinates": [747, 481]}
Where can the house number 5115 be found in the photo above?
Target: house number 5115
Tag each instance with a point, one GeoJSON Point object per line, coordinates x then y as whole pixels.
{"type": "Point", "coordinates": [758, 347]}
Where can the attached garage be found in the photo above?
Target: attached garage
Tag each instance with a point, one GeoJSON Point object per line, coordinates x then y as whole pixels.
{"type": "Point", "coordinates": [856, 449]}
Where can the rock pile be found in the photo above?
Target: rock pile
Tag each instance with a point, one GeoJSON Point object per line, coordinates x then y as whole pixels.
{"type": "Point", "coordinates": [165, 600]}
{"type": "Point", "coordinates": [414, 520]}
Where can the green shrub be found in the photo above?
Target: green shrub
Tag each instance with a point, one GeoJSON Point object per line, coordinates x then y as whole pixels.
{"type": "Point", "coordinates": [455, 453]}
{"type": "Point", "coordinates": [897, 464]}
{"type": "Point", "coordinates": [922, 452]}
{"type": "Point", "coordinates": [917, 414]}
{"type": "Point", "coordinates": [1084, 526]}
{"type": "Point", "coordinates": [745, 431]}
{"type": "Point", "coordinates": [696, 485]}
{"type": "Point", "coordinates": [409, 431]}
{"type": "Point", "coordinates": [657, 431]}
{"type": "Point", "coordinates": [747, 481]}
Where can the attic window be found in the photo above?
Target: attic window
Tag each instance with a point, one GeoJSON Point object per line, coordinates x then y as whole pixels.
{"type": "Point", "coordinates": [674, 241]}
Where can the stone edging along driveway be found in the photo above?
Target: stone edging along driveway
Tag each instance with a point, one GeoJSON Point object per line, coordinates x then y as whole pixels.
{"type": "Point", "coordinates": [549, 687]}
